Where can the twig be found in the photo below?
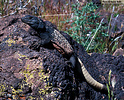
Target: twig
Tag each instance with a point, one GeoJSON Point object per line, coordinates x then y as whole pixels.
{"type": "Point", "coordinates": [113, 24]}
{"type": "Point", "coordinates": [110, 19]}
{"type": "Point", "coordinates": [26, 4]}
{"type": "Point", "coordinates": [115, 40]}
{"type": "Point", "coordinates": [95, 33]}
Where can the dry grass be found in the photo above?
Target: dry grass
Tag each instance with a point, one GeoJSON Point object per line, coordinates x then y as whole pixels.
{"type": "Point", "coordinates": [54, 11]}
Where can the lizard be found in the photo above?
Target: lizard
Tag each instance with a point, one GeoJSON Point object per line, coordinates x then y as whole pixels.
{"type": "Point", "coordinates": [49, 34]}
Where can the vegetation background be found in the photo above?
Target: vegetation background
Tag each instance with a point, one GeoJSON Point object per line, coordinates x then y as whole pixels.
{"type": "Point", "coordinates": [84, 20]}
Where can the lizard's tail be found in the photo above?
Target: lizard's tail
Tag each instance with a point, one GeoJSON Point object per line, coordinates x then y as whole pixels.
{"type": "Point", "coordinates": [92, 82]}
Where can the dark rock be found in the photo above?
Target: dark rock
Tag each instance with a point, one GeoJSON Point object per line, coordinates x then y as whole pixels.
{"type": "Point", "coordinates": [38, 70]}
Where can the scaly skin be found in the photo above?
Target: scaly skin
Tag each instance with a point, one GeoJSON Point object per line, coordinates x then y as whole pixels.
{"type": "Point", "coordinates": [64, 47]}
{"type": "Point", "coordinates": [52, 35]}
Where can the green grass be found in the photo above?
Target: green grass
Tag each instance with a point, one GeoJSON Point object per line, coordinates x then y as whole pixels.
{"type": "Point", "coordinates": [86, 29]}
{"type": "Point", "coordinates": [110, 86]}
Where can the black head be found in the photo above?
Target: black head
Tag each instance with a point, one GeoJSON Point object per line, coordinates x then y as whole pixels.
{"type": "Point", "coordinates": [34, 22]}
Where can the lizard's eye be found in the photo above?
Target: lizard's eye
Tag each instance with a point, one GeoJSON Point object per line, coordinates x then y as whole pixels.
{"type": "Point", "coordinates": [30, 17]}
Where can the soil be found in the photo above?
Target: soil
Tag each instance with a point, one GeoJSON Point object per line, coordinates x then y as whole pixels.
{"type": "Point", "coordinates": [29, 71]}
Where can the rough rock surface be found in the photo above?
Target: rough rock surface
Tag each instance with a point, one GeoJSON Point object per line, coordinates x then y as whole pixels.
{"type": "Point", "coordinates": [28, 71]}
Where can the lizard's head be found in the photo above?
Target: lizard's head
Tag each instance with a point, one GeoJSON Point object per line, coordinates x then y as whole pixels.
{"type": "Point", "coordinates": [34, 22]}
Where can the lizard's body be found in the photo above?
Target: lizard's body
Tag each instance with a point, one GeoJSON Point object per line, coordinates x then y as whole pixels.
{"type": "Point", "coordinates": [49, 34]}
{"type": "Point", "coordinates": [63, 46]}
